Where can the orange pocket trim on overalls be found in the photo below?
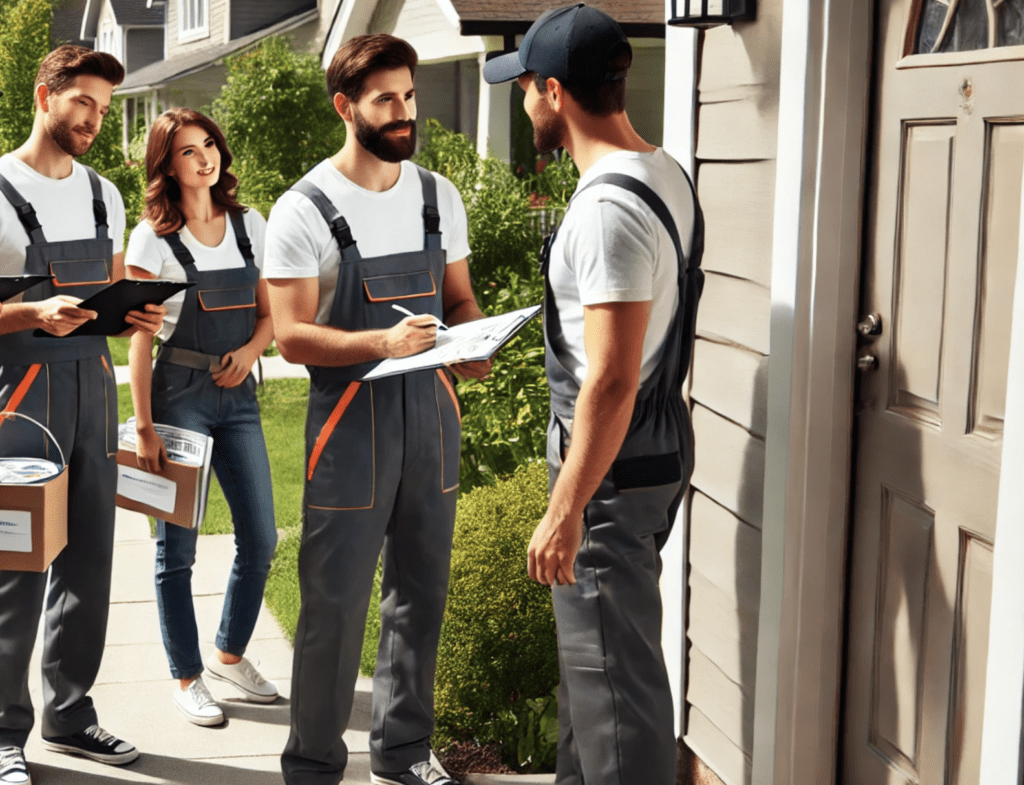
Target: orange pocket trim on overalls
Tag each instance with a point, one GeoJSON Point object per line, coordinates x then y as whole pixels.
{"type": "Point", "coordinates": [451, 392]}
{"type": "Point", "coordinates": [21, 390]}
{"type": "Point", "coordinates": [329, 426]}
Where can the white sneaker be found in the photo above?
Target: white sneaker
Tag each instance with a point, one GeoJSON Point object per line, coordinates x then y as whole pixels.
{"type": "Point", "coordinates": [198, 705]}
{"type": "Point", "coordinates": [13, 769]}
{"type": "Point", "coordinates": [243, 676]}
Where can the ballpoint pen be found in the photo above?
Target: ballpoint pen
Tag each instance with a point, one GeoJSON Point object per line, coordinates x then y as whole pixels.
{"type": "Point", "coordinates": [440, 325]}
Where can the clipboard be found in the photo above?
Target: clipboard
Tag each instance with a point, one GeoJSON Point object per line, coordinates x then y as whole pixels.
{"type": "Point", "coordinates": [113, 303]}
{"type": "Point", "coordinates": [11, 285]}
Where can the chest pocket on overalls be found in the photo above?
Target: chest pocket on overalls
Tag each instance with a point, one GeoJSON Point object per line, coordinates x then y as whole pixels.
{"type": "Point", "coordinates": [226, 299]}
{"type": "Point", "coordinates": [400, 286]}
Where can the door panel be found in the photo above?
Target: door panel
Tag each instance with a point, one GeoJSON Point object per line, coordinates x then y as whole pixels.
{"type": "Point", "coordinates": [943, 222]}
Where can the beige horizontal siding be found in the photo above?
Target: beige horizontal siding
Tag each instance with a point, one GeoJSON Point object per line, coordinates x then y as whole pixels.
{"type": "Point", "coordinates": [733, 382]}
{"type": "Point", "coordinates": [737, 200]}
{"type": "Point", "coordinates": [713, 747]}
{"type": "Point", "coordinates": [727, 550]}
{"type": "Point", "coordinates": [723, 631]}
{"type": "Point", "coordinates": [736, 131]}
{"type": "Point", "coordinates": [721, 700]}
{"type": "Point", "coordinates": [733, 310]}
{"type": "Point", "coordinates": [730, 465]}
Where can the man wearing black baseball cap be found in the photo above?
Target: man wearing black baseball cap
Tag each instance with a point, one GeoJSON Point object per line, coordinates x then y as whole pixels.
{"type": "Point", "coordinates": [622, 285]}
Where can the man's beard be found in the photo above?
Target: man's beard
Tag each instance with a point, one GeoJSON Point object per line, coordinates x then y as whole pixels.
{"type": "Point", "coordinates": [63, 135]}
{"type": "Point", "coordinates": [548, 130]}
{"type": "Point", "coordinates": [376, 141]}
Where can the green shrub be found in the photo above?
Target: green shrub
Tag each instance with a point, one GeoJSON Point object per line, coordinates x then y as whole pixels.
{"type": "Point", "coordinates": [531, 734]}
{"type": "Point", "coordinates": [277, 118]}
{"type": "Point", "coordinates": [498, 640]}
{"type": "Point", "coordinates": [24, 42]}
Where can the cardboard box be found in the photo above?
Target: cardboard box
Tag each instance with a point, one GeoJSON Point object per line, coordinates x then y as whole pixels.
{"type": "Point", "coordinates": [176, 495]}
{"type": "Point", "coordinates": [38, 517]}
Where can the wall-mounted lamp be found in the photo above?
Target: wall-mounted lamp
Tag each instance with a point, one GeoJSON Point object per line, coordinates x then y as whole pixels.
{"type": "Point", "coordinates": [710, 13]}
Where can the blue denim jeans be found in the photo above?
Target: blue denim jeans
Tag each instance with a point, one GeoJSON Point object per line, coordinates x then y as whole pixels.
{"type": "Point", "coordinates": [189, 399]}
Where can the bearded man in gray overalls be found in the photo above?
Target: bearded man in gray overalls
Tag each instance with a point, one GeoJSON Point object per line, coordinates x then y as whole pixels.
{"type": "Point", "coordinates": [60, 219]}
{"type": "Point", "coordinates": [623, 281]}
{"type": "Point", "coordinates": [362, 232]}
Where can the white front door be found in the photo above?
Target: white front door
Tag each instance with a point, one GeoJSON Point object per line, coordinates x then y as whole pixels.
{"type": "Point", "coordinates": [942, 236]}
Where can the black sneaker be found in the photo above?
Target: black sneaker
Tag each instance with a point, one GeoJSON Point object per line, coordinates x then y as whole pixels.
{"type": "Point", "coordinates": [425, 773]}
{"type": "Point", "coordinates": [94, 743]}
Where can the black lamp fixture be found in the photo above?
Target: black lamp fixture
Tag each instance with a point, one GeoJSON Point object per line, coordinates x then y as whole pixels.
{"type": "Point", "coordinates": [711, 13]}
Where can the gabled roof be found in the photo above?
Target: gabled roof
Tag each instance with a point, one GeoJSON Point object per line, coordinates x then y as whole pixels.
{"type": "Point", "coordinates": [639, 18]}
{"type": "Point", "coordinates": [128, 13]}
{"type": "Point", "coordinates": [165, 71]}
{"type": "Point", "coordinates": [66, 27]}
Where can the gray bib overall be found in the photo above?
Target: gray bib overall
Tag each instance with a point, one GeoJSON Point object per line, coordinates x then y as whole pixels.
{"type": "Point", "coordinates": [382, 468]}
{"type": "Point", "coordinates": [67, 384]}
{"type": "Point", "coordinates": [615, 704]}
{"type": "Point", "coordinates": [218, 315]}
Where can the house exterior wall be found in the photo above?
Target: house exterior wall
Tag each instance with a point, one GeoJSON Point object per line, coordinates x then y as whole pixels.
{"type": "Point", "coordinates": [143, 46]}
{"type": "Point", "coordinates": [738, 99]}
{"type": "Point", "coordinates": [216, 21]}
{"type": "Point", "coordinates": [109, 35]}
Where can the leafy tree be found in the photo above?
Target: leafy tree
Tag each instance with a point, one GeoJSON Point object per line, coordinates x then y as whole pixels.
{"type": "Point", "coordinates": [277, 118]}
{"type": "Point", "coordinates": [24, 42]}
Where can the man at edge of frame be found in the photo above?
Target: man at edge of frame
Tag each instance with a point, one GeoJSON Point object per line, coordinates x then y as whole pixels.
{"type": "Point", "coordinates": [364, 231]}
{"type": "Point", "coordinates": [59, 218]}
{"type": "Point", "coordinates": [622, 286]}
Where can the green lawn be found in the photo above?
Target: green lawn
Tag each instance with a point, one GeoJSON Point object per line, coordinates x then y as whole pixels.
{"type": "Point", "coordinates": [118, 350]}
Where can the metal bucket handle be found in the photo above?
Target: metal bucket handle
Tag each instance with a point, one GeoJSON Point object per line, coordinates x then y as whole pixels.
{"type": "Point", "coordinates": [53, 438]}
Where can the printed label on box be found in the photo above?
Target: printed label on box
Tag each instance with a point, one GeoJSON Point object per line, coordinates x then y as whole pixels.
{"type": "Point", "coordinates": [15, 531]}
{"type": "Point", "coordinates": [140, 486]}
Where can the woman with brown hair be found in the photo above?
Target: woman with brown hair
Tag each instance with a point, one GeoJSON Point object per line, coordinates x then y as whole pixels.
{"type": "Point", "coordinates": [194, 229]}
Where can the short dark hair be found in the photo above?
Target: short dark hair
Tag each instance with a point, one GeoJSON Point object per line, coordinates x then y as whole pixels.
{"type": "Point", "coordinates": [363, 55]}
{"type": "Point", "coordinates": [64, 64]}
{"type": "Point", "coordinates": [602, 98]}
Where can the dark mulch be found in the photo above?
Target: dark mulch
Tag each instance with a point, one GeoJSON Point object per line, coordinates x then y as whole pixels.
{"type": "Point", "coordinates": [466, 756]}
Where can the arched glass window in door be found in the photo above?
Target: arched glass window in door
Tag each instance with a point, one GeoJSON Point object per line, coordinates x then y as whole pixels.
{"type": "Point", "coordinates": [969, 25]}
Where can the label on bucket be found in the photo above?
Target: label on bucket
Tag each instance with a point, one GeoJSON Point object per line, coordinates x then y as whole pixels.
{"type": "Point", "coordinates": [26, 471]}
{"type": "Point", "coordinates": [15, 531]}
{"type": "Point", "coordinates": [146, 488]}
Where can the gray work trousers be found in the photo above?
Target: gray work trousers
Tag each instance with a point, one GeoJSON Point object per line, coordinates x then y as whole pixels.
{"type": "Point", "coordinates": [77, 401]}
{"type": "Point", "coordinates": [397, 434]}
{"type": "Point", "coordinates": [614, 700]}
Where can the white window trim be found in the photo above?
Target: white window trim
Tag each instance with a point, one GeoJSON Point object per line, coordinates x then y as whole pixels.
{"type": "Point", "coordinates": [197, 33]}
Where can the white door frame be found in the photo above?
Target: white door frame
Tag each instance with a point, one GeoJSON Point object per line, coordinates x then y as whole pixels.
{"type": "Point", "coordinates": [1004, 682]}
{"type": "Point", "coordinates": [826, 73]}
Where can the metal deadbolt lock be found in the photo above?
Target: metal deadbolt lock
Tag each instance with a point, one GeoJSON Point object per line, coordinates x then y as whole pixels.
{"type": "Point", "coordinates": [867, 362]}
{"type": "Point", "coordinates": [870, 325]}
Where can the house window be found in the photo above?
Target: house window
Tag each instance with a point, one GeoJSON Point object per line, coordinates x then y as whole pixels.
{"type": "Point", "coordinates": [966, 25]}
{"type": "Point", "coordinates": [193, 20]}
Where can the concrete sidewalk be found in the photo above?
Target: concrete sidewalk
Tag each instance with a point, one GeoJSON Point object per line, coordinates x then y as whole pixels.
{"type": "Point", "coordinates": [133, 691]}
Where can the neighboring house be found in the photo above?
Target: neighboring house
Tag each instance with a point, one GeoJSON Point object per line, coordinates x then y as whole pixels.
{"type": "Point", "coordinates": [453, 39]}
{"type": "Point", "coordinates": [66, 27]}
{"type": "Point", "coordinates": [131, 30]}
{"type": "Point", "coordinates": [197, 35]}
{"type": "Point", "coordinates": [840, 564]}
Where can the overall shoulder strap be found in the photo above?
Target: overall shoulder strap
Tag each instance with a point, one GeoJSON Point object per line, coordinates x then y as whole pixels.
{"type": "Point", "coordinates": [242, 238]}
{"type": "Point", "coordinates": [337, 223]}
{"type": "Point", "coordinates": [181, 253]}
{"type": "Point", "coordinates": [99, 207]}
{"type": "Point", "coordinates": [26, 213]}
{"type": "Point", "coordinates": [647, 194]}
{"type": "Point", "coordinates": [431, 215]}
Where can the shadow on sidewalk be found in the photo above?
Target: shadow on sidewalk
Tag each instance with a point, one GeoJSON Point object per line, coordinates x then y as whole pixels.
{"type": "Point", "coordinates": [158, 770]}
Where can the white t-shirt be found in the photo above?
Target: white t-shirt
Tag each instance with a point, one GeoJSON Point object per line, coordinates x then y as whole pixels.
{"type": "Point", "coordinates": [612, 248]}
{"type": "Point", "coordinates": [63, 208]}
{"type": "Point", "coordinates": [300, 244]}
{"type": "Point", "coordinates": [154, 255]}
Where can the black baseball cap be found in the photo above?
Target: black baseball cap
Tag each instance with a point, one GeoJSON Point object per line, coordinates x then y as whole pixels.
{"type": "Point", "coordinates": [571, 44]}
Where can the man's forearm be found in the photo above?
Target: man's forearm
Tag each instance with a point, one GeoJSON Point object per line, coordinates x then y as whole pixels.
{"type": "Point", "coordinates": [603, 413]}
{"type": "Point", "coordinates": [320, 344]}
{"type": "Point", "coordinates": [16, 317]}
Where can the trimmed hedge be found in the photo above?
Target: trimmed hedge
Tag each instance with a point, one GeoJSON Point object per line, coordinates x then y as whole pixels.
{"type": "Point", "coordinates": [498, 640]}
